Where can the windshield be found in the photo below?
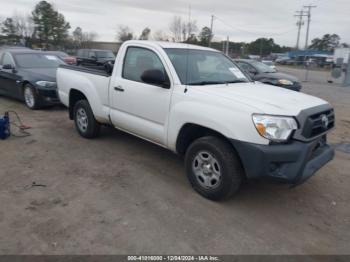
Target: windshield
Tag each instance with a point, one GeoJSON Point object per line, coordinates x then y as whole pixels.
{"type": "Point", "coordinates": [37, 61]}
{"type": "Point", "coordinates": [105, 54]}
{"type": "Point", "coordinates": [61, 54]}
{"type": "Point", "coordinates": [262, 68]}
{"type": "Point", "coordinates": [200, 67]}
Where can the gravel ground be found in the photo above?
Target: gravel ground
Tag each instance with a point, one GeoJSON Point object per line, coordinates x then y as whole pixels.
{"type": "Point", "coordinates": [121, 195]}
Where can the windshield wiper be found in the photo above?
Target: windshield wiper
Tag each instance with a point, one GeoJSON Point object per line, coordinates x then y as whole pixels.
{"type": "Point", "coordinates": [236, 81]}
{"type": "Point", "coordinates": [203, 83]}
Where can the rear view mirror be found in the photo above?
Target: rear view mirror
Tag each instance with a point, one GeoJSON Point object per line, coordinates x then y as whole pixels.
{"type": "Point", "coordinates": [155, 77]}
{"type": "Point", "coordinates": [252, 72]}
{"type": "Point", "coordinates": [8, 67]}
{"type": "Point", "coordinates": [220, 67]}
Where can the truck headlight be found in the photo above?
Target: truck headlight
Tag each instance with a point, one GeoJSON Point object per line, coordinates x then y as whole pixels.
{"type": "Point", "coordinates": [275, 128]}
{"type": "Point", "coordinates": [46, 84]}
{"type": "Point", "coordinates": [285, 82]}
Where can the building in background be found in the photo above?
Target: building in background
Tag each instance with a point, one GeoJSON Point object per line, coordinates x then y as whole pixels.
{"type": "Point", "coordinates": [341, 56]}
{"type": "Point", "coordinates": [312, 57]}
{"type": "Point", "coordinates": [113, 46]}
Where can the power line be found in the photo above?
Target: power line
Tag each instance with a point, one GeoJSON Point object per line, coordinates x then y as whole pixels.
{"type": "Point", "coordinates": [249, 32]}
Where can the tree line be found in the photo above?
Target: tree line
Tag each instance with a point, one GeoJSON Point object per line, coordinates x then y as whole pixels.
{"type": "Point", "coordinates": [188, 32]}
{"type": "Point", "coordinates": [44, 28]}
{"type": "Point", "coordinates": [327, 43]}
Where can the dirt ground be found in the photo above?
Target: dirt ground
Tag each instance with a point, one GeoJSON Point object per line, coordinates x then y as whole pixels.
{"type": "Point", "coordinates": [121, 195]}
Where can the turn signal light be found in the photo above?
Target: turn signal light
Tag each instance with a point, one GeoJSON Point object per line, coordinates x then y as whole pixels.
{"type": "Point", "coordinates": [261, 129]}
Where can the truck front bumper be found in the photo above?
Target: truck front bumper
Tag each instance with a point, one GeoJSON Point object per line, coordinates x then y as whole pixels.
{"type": "Point", "coordinates": [292, 163]}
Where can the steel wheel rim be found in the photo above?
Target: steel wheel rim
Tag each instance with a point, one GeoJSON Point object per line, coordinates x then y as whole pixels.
{"type": "Point", "coordinates": [29, 97]}
{"type": "Point", "coordinates": [207, 170]}
{"type": "Point", "coordinates": [82, 120]}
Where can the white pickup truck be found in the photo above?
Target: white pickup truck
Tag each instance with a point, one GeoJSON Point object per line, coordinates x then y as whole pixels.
{"type": "Point", "coordinates": [197, 102]}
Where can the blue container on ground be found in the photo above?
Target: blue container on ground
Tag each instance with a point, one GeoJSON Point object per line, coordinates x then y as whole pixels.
{"type": "Point", "coordinates": [4, 126]}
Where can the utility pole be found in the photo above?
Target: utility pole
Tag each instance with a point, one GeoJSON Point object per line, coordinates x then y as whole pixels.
{"type": "Point", "coordinates": [300, 23]}
{"type": "Point", "coordinates": [308, 7]}
{"type": "Point", "coordinates": [211, 29]}
{"type": "Point", "coordinates": [227, 45]}
{"type": "Point", "coordinates": [189, 26]}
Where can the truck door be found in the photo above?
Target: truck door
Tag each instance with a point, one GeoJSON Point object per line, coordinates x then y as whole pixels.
{"type": "Point", "coordinates": [138, 107]}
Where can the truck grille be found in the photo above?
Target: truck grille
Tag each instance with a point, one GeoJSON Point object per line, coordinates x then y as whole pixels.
{"type": "Point", "coordinates": [318, 124]}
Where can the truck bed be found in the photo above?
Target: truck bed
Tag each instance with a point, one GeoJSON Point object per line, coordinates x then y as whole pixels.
{"type": "Point", "coordinates": [94, 84]}
{"type": "Point", "coordinates": [86, 70]}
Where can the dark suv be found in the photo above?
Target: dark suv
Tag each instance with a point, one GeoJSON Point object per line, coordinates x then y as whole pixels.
{"type": "Point", "coordinates": [94, 58]}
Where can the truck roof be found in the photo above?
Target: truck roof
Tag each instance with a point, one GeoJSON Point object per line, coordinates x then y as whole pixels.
{"type": "Point", "coordinates": [23, 51]}
{"type": "Point", "coordinates": [171, 45]}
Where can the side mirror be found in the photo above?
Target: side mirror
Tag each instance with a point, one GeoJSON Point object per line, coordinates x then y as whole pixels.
{"type": "Point", "coordinates": [109, 67]}
{"type": "Point", "coordinates": [8, 67]}
{"type": "Point", "coordinates": [155, 77]}
{"type": "Point", "coordinates": [94, 58]}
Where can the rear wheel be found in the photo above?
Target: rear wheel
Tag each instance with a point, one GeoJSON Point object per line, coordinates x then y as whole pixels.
{"type": "Point", "coordinates": [31, 98]}
{"type": "Point", "coordinates": [213, 168]}
{"type": "Point", "coordinates": [84, 120]}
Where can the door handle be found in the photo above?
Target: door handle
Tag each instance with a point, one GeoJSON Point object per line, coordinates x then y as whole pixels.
{"type": "Point", "coordinates": [119, 89]}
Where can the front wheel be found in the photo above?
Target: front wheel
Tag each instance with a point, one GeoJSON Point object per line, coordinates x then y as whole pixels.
{"type": "Point", "coordinates": [84, 120]}
{"type": "Point", "coordinates": [213, 168]}
{"type": "Point", "coordinates": [31, 98]}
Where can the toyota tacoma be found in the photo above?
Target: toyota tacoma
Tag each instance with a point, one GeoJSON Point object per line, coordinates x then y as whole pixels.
{"type": "Point", "coordinates": [197, 102]}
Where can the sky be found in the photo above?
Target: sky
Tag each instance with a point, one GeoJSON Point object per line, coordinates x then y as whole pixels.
{"type": "Point", "coordinates": [240, 20]}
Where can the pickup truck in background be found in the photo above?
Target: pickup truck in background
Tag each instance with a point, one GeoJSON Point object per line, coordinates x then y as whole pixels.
{"type": "Point", "coordinates": [196, 102]}
{"type": "Point", "coordinates": [94, 58]}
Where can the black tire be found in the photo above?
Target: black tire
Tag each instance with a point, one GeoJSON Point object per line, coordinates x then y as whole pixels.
{"type": "Point", "coordinates": [92, 128]}
{"type": "Point", "coordinates": [36, 102]}
{"type": "Point", "coordinates": [228, 163]}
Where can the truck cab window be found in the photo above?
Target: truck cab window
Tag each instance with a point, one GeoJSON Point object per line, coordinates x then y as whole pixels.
{"type": "Point", "coordinates": [7, 60]}
{"type": "Point", "coordinates": [138, 60]}
{"type": "Point", "coordinates": [92, 55]}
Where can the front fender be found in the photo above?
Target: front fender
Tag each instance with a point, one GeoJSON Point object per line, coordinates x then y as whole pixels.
{"type": "Point", "coordinates": [236, 124]}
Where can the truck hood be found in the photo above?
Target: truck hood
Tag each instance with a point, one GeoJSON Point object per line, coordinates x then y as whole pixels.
{"type": "Point", "coordinates": [268, 99]}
